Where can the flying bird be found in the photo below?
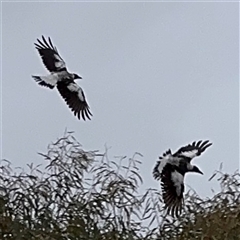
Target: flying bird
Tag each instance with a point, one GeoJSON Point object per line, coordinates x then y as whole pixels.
{"type": "Point", "coordinates": [62, 79]}
{"type": "Point", "coordinates": [171, 169]}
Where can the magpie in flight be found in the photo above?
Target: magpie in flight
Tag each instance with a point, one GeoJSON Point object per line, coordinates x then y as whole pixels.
{"type": "Point", "coordinates": [62, 79]}
{"type": "Point", "coordinates": [171, 169]}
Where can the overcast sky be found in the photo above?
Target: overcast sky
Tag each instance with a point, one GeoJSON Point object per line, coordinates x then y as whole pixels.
{"type": "Point", "coordinates": [156, 76]}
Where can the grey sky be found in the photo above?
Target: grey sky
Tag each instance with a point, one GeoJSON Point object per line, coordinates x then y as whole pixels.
{"type": "Point", "coordinates": [156, 76]}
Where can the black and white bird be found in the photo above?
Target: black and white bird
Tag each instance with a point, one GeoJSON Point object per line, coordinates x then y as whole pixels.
{"type": "Point", "coordinates": [62, 79]}
{"type": "Point", "coordinates": [171, 169]}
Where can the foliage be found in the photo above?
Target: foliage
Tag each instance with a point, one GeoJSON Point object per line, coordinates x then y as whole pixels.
{"type": "Point", "coordinates": [85, 195]}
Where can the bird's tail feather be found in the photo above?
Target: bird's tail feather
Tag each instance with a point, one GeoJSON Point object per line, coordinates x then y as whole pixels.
{"type": "Point", "coordinates": [41, 81]}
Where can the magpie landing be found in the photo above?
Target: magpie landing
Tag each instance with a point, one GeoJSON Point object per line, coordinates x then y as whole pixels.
{"type": "Point", "coordinates": [62, 79]}
{"type": "Point", "coordinates": [170, 170]}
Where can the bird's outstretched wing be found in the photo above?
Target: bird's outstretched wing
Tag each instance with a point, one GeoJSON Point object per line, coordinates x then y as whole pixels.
{"type": "Point", "coordinates": [50, 56]}
{"type": "Point", "coordinates": [192, 150]}
{"type": "Point", "coordinates": [161, 163]}
{"type": "Point", "coordinates": [75, 99]}
{"type": "Point", "coordinates": [172, 189]}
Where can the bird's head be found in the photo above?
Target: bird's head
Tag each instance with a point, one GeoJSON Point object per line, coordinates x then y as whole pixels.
{"type": "Point", "coordinates": [196, 169]}
{"type": "Point", "coordinates": [75, 76]}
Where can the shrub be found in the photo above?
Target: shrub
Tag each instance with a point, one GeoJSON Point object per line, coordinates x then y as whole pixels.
{"type": "Point", "coordinates": [85, 195]}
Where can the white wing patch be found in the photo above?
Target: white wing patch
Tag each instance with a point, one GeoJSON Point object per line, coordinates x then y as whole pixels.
{"type": "Point", "coordinates": [59, 62]}
{"type": "Point", "coordinates": [190, 154]}
{"type": "Point", "coordinates": [73, 87]}
{"type": "Point", "coordinates": [80, 95]}
{"type": "Point", "coordinates": [177, 179]}
{"type": "Point", "coordinates": [167, 157]}
{"type": "Point", "coordinates": [162, 165]}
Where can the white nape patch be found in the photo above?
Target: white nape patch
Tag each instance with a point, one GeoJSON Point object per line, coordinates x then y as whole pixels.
{"type": "Point", "coordinates": [190, 154]}
{"type": "Point", "coordinates": [59, 63]}
{"type": "Point", "coordinates": [177, 179]}
{"type": "Point", "coordinates": [50, 79]}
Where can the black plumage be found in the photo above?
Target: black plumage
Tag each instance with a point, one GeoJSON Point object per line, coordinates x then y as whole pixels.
{"type": "Point", "coordinates": [60, 77]}
{"type": "Point", "coordinates": [171, 169]}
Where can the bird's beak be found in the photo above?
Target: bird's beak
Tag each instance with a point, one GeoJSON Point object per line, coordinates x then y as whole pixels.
{"type": "Point", "coordinates": [77, 76]}
{"type": "Point", "coordinates": [198, 171]}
